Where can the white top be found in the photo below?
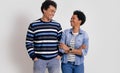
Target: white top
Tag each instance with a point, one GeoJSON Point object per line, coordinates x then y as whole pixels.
{"type": "Point", "coordinates": [71, 57]}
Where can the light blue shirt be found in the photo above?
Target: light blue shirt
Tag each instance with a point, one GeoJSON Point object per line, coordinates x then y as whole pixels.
{"type": "Point", "coordinates": [81, 38]}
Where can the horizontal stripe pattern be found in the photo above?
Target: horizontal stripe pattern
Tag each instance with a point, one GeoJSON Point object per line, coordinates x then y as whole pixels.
{"type": "Point", "coordinates": [46, 41]}
{"type": "Point", "coordinates": [45, 30]}
{"type": "Point", "coordinates": [49, 52]}
{"type": "Point", "coordinates": [42, 39]}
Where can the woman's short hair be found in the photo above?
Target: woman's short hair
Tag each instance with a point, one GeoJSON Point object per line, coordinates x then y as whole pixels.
{"type": "Point", "coordinates": [81, 16]}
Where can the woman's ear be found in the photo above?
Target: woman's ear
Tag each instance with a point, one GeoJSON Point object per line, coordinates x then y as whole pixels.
{"type": "Point", "coordinates": [80, 21]}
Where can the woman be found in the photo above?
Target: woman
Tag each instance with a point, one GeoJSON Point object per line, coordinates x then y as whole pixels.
{"type": "Point", "coordinates": [74, 44]}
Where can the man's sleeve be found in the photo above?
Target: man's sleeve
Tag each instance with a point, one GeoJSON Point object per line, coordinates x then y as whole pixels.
{"type": "Point", "coordinates": [30, 42]}
{"type": "Point", "coordinates": [60, 33]}
{"type": "Point", "coordinates": [62, 41]}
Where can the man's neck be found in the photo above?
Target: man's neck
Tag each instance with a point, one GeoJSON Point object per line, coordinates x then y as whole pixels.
{"type": "Point", "coordinates": [44, 19]}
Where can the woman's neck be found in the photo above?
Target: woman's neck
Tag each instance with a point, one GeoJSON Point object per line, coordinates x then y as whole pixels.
{"type": "Point", "coordinates": [76, 29]}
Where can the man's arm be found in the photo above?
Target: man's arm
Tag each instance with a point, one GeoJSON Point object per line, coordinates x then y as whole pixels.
{"type": "Point", "coordinates": [59, 38]}
{"type": "Point", "coordinates": [30, 43]}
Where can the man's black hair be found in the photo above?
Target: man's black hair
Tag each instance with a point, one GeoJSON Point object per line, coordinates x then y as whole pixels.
{"type": "Point", "coordinates": [47, 3]}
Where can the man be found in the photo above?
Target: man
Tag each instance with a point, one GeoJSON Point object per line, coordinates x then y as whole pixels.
{"type": "Point", "coordinates": [42, 40]}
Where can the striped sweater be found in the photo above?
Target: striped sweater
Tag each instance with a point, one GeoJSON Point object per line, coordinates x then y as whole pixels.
{"type": "Point", "coordinates": [42, 39]}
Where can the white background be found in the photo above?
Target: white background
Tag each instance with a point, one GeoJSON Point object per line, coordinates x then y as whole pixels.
{"type": "Point", "coordinates": [102, 25]}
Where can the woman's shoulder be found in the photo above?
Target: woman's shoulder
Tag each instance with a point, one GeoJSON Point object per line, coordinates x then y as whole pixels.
{"type": "Point", "coordinates": [68, 29]}
{"type": "Point", "coordinates": [84, 33]}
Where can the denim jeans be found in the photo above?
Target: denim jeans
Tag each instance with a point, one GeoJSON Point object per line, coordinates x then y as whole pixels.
{"type": "Point", "coordinates": [53, 66]}
{"type": "Point", "coordinates": [71, 68]}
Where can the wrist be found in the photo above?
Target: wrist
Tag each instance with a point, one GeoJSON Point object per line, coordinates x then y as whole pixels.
{"type": "Point", "coordinates": [70, 50]}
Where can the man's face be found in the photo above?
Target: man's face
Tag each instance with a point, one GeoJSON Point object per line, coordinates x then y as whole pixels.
{"type": "Point", "coordinates": [49, 13]}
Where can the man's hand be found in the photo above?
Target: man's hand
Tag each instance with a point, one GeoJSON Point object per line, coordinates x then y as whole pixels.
{"type": "Point", "coordinates": [36, 59]}
{"type": "Point", "coordinates": [58, 57]}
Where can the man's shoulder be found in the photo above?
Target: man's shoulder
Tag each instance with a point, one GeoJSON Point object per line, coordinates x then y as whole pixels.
{"type": "Point", "coordinates": [34, 22]}
{"type": "Point", "coordinates": [54, 21]}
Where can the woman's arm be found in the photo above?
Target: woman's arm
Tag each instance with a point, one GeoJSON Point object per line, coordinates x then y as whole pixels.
{"type": "Point", "coordinates": [78, 51]}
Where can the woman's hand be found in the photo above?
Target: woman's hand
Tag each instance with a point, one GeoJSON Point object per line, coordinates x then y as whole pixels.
{"type": "Point", "coordinates": [64, 47]}
{"type": "Point", "coordinates": [83, 46]}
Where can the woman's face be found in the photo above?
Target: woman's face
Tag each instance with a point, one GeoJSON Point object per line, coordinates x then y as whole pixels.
{"type": "Point", "coordinates": [75, 22]}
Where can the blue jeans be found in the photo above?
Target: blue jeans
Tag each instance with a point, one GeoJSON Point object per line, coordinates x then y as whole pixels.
{"type": "Point", "coordinates": [71, 68]}
{"type": "Point", "coordinates": [53, 66]}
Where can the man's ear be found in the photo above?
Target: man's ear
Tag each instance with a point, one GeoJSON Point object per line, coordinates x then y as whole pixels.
{"type": "Point", "coordinates": [44, 10]}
